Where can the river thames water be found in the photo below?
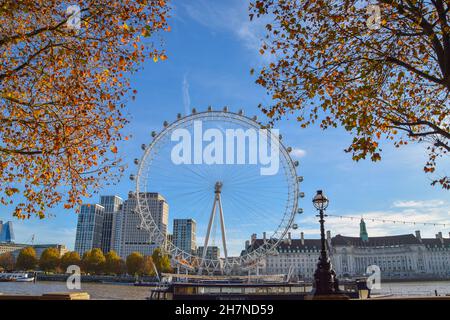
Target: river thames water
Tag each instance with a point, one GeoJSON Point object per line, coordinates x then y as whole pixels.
{"type": "Point", "coordinates": [130, 292]}
{"type": "Point", "coordinates": [95, 290]}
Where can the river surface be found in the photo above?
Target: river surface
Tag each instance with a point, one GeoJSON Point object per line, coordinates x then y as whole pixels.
{"type": "Point", "coordinates": [95, 290]}
{"type": "Point", "coordinates": [130, 292]}
{"type": "Point", "coordinates": [425, 288]}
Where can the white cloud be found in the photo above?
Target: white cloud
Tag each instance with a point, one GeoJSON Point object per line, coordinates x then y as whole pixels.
{"type": "Point", "coordinates": [418, 204]}
{"type": "Point", "coordinates": [186, 95]}
{"type": "Point", "coordinates": [298, 153]}
{"type": "Point", "coordinates": [230, 16]}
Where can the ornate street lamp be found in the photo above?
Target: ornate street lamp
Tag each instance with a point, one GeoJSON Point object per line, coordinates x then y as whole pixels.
{"type": "Point", "coordinates": [320, 201]}
{"type": "Point", "coordinates": [325, 282]}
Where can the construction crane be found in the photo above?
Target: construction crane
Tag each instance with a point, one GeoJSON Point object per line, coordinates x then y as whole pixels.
{"type": "Point", "coordinates": [31, 240]}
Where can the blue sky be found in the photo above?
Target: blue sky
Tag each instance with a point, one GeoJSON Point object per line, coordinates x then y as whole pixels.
{"type": "Point", "coordinates": [211, 48]}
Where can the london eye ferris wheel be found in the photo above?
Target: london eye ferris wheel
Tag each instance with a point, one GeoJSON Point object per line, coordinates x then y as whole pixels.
{"type": "Point", "coordinates": [230, 175]}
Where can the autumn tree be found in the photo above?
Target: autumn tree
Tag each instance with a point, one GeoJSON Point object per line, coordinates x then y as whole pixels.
{"type": "Point", "coordinates": [70, 258]}
{"type": "Point", "coordinates": [161, 261]}
{"type": "Point", "coordinates": [113, 263]}
{"type": "Point", "coordinates": [64, 80]}
{"type": "Point", "coordinates": [26, 260]}
{"type": "Point", "coordinates": [93, 261]}
{"type": "Point", "coordinates": [380, 71]}
{"type": "Point", "coordinates": [148, 268]}
{"type": "Point", "coordinates": [49, 260]}
{"type": "Point", "coordinates": [135, 262]}
{"type": "Point", "coordinates": [123, 267]}
{"type": "Point", "coordinates": [7, 261]}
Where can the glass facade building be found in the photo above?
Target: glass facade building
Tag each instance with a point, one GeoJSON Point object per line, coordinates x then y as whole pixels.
{"type": "Point", "coordinates": [112, 205]}
{"type": "Point", "coordinates": [212, 252]}
{"type": "Point", "coordinates": [6, 232]}
{"type": "Point", "coordinates": [89, 228]}
{"type": "Point", "coordinates": [183, 235]}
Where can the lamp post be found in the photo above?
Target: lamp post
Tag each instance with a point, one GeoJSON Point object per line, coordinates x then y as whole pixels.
{"type": "Point", "coordinates": [325, 282]}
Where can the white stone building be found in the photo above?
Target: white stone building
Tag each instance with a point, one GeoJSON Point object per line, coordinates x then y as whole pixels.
{"type": "Point", "coordinates": [15, 248]}
{"type": "Point", "coordinates": [405, 256]}
{"type": "Point", "coordinates": [295, 256]}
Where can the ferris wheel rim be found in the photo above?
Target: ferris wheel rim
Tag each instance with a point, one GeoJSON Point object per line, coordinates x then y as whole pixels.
{"type": "Point", "coordinates": [148, 223]}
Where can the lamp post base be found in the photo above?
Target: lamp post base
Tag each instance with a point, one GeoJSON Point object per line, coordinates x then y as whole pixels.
{"type": "Point", "coordinates": [326, 283]}
{"type": "Point", "coordinates": [333, 296]}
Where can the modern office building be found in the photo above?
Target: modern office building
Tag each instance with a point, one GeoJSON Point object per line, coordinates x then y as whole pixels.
{"type": "Point", "coordinates": [129, 236]}
{"type": "Point", "coordinates": [212, 252]}
{"type": "Point", "coordinates": [112, 205]}
{"type": "Point", "coordinates": [6, 232]}
{"type": "Point", "coordinates": [89, 228]}
{"type": "Point", "coordinates": [183, 235]}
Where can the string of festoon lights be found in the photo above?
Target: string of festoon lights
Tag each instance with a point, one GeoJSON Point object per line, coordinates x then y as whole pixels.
{"type": "Point", "coordinates": [390, 221]}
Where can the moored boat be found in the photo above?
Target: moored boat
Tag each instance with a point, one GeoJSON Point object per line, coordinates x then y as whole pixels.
{"type": "Point", "coordinates": [16, 277]}
{"type": "Point", "coordinates": [198, 289]}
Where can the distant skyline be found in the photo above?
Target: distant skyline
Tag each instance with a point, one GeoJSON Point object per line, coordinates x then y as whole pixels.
{"type": "Point", "coordinates": [211, 49]}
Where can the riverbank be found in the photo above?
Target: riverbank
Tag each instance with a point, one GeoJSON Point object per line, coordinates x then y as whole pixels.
{"type": "Point", "coordinates": [94, 278]}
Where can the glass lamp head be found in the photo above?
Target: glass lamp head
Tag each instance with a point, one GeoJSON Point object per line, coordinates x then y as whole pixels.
{"type": "Point", "coordinates": [320, 201]}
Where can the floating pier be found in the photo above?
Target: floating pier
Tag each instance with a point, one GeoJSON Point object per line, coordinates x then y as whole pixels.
{"type": "Point", "coordinates": [47, 296]}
